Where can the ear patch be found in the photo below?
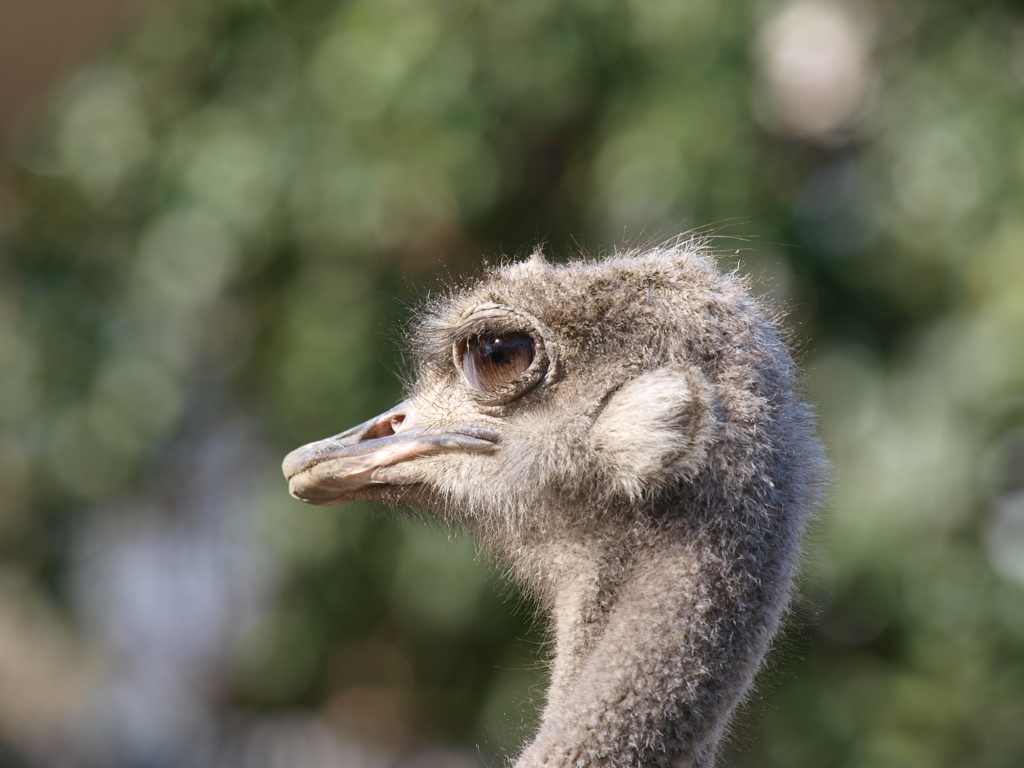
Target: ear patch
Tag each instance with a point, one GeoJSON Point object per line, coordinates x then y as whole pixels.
{"type": "Point", "coordinates": [656, 428]}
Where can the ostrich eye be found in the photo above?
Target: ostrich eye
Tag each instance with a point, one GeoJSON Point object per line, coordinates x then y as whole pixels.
{"type": "Point", "coordinates": [491, 362]}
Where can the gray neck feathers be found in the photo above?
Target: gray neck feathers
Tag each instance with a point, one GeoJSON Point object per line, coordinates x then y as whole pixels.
{"type": "Point", "coordinates": [662, 613]}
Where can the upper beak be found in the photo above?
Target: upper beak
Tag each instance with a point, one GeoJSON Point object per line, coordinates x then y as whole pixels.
{"type": "Point", "coordinates": [335, 470]}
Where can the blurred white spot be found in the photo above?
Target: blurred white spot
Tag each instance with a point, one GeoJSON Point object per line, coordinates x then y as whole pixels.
{"type": "Point", "coordinates": [134, 397]}
{"type": "Point", "coordinates": [230, 168]}
{"type": "Point", "coordinates": [814, 69]}
{"type": "Point", "coordinates": [170, 590]}
{"type": "Point", "coordinates": [665, 22]}
{"type": "Point", "coordinates": [1005, 538]}
{"type": "Point", "coordinates": [79, 459]}
{"type": "Point", "coordinates": [639, 173]}
{"type": "Point", "coordinates": [397, 43]}
{"type": "Point", "coordinates": [103, 132]}
{"type": "Point", "coordinates": [1017, 54]}
{"type": "Point", "coordinates": [288, 740]}
{"type": "Point", "coordinates": [936, 178]}
{"type": "Point", "coordinates": [846, 382]}
{"type": "Point", "coordinates": [185, 258]}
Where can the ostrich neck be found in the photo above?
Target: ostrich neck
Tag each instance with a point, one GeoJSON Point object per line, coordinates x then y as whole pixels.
{"type": "Point", "coordinates": [652, 651]}
{"type": "Point", "coordinates": [583, 591]}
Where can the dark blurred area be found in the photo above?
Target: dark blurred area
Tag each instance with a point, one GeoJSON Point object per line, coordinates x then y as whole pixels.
{"type": "Point", "coordinates": [214, 226]}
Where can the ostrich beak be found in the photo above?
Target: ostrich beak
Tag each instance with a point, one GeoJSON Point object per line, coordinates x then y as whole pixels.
{"type": "Point", "coordinates": [337, 469]}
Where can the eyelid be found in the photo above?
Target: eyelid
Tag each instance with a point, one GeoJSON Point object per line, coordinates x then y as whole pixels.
{"type": "Point", "coordinates": [494, 320]}
{"type": "Point", "coordinates": [491, 326]}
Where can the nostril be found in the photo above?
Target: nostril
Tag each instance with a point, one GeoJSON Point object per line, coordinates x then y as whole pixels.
{"type": "Point", "coordinates": [396, 422]}
{"type": "Point", "coordinates": [383, 428]}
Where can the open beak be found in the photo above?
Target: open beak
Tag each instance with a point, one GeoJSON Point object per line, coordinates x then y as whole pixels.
{"type": "Point", "coordinates": [339, 468]}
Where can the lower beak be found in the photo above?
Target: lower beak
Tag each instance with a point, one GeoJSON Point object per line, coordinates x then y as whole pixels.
{"type": "Point", "coordinates": [343, 467]}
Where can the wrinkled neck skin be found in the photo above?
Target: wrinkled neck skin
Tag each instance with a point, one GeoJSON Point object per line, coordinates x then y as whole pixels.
{"type": "Point", "coordinates": [656, 639]}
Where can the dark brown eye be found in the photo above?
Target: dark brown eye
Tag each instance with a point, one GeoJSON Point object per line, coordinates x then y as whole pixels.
{"type": "Point", "coordinates": [491, 362]}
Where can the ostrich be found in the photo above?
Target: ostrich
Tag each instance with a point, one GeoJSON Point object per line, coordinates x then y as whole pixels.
{"type": "Point", "coordinates": [627, 434]}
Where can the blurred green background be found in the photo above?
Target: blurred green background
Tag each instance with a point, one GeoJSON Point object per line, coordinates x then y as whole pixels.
{"type": "Point", "coordinates": [215, 229]}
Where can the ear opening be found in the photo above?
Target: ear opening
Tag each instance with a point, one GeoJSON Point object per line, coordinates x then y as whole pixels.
{"type": "Point", "coordinates": [656, 429]}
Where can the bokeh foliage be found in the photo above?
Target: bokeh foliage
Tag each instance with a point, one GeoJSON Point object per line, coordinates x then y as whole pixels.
{"type": "Point", "coordinates": [225, 218]}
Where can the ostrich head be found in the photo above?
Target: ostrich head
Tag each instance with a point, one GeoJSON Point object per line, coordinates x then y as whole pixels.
{"type": "Point", "coordinates": [627, 433]}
